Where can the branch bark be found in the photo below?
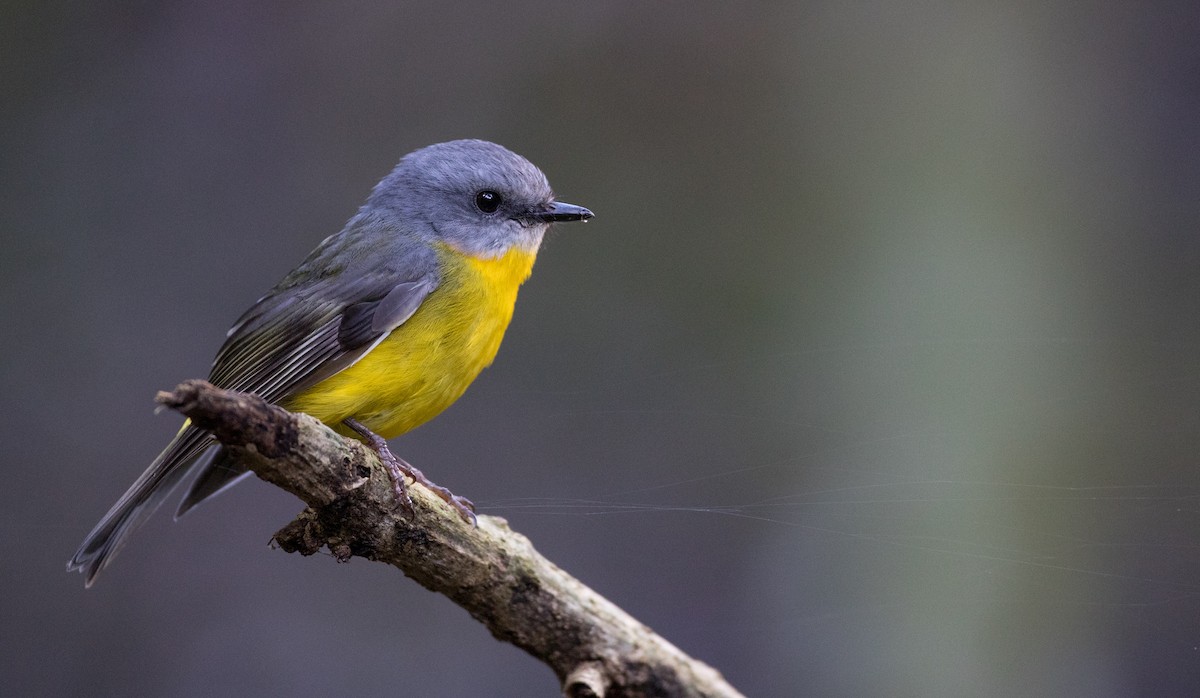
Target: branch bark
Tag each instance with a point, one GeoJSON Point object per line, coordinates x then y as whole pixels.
{"type": "Point", "coordinates": [594, 647]}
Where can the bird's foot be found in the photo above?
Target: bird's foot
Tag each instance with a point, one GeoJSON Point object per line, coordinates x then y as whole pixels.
{"type": "Point", "coordinates": [397, 468]}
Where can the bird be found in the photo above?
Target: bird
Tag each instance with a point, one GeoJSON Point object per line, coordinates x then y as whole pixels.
{"type": "Point", "coordinates": [382, 327]}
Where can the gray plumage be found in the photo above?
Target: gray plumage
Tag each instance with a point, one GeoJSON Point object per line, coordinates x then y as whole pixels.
{"type": "Point", "coordinates": [354, 289]}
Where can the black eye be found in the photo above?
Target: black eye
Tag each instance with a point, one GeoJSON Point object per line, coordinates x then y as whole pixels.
{"type": "Point", "coordinates": [488, 201]}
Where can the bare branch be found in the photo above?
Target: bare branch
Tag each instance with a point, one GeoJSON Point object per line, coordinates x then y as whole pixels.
{"type": "Point", "coordinates": [594, 647]}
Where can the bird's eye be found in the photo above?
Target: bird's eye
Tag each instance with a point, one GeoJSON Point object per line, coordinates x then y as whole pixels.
{"type": "Point", "coordinates": [488, 201]}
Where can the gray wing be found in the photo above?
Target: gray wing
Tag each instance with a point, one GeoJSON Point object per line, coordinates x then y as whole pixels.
{"type": "Point", "coordinates": [299, 342]}
{"type": "Point", "coordinates": [321, 319]}
{"type": "Point", "coordinates": [337, 306]}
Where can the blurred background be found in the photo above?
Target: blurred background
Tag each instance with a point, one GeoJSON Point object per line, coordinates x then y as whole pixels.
{"type": "Point", "coordinates": [874, 375]}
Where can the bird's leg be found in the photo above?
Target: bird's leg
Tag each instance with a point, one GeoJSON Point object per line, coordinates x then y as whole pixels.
{"type": "Point", "coordinates": [397, 468]}
{"type": "Point", "coordinates": [389, 460]}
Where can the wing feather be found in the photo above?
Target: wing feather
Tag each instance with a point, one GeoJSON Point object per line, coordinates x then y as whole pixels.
{"type": "Point", "coordinates": [323, 317]}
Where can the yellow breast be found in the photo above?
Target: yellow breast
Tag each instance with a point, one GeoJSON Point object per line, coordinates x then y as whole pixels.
{"type": "Point", "coordinates": [427, 363]}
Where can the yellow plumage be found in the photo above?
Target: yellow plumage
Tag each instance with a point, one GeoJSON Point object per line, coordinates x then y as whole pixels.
{"type": "Point", "coordinates": [426, 364]}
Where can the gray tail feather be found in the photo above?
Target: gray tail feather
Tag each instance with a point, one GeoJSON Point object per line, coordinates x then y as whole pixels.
{"type": "Point", "coordinates": [217, 474]}
{"type": "Point", "coordinates": [139, 502]}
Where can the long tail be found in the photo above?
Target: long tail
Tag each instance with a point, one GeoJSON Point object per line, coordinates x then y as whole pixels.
{"type": "Point", "coordinates": [139, 501]}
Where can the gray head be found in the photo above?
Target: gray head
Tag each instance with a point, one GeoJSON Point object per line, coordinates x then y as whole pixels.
{"type": "Point", "coordinates": [476, 196]}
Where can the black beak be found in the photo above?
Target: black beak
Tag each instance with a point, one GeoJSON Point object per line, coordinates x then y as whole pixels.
{"type": "Point", "coordinates": [559, 212]}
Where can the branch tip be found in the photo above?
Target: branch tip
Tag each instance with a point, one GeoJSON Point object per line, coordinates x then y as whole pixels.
{"type": "Point", "coordinates": [586, 681]}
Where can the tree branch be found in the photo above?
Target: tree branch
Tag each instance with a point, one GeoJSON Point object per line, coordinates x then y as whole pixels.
{"type": "Point", "coordinates": [594, 647]}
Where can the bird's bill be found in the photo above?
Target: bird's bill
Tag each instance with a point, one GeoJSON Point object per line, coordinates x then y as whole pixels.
{"type": "Point", "coordinates": [560, 212]}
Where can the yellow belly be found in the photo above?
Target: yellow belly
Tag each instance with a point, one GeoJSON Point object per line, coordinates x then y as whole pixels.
{"type": "Point", "coordinates": [427, 363]}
